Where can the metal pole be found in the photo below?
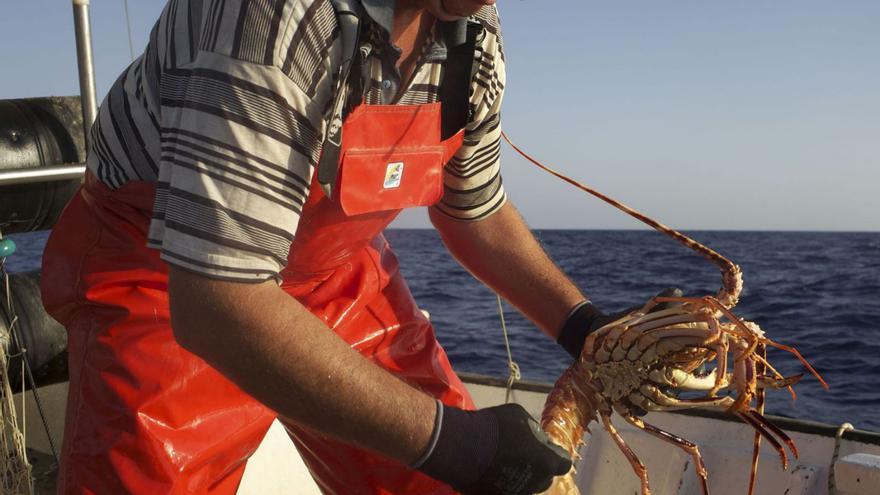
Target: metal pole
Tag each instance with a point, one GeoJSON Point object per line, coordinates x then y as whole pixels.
{"type": "Point", "coordinates": [41, 174]}
{"type": "Point", "coordinates": [86, 64]}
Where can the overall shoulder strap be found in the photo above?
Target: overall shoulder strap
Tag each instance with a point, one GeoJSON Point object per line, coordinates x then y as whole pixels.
{"type": "Point", "coordinates": [348, 15]}
{"type": "Point", "coordinates": [461, 41]}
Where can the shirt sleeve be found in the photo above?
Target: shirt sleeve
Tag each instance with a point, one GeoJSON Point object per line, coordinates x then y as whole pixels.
{"type": "Point", "coordinates": [240, 137]}
{"type": "Point", "coordinates": [472, 179]}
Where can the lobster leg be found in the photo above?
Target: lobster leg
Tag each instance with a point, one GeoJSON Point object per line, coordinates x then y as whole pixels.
{"type": "Point", "coordinates": [739, 323]}
{"type": "Point", "coordinates": [763, 431]}
{"type": "Point", "coordinates": [631, 456]}
{"type": "Point", "coordinates": [670, 321]}
{"type": "Point", "coordinates": [721, 349]}
{"type": "Point", "coordinates": [744, 376]}
{"type": "Point", "coordinates": [775, 429]}
{"type": "Point", "coordinates": [760, 368]}
{"type": "Point", "coordinates": [801, 358]}
{"type": "Point", "coordinates": [681, 443]}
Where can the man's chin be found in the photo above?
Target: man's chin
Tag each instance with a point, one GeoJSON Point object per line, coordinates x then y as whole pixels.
{"type": "Point", "coordinates": [446, 9]}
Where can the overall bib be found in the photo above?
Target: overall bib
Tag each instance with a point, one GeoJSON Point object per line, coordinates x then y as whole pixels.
{"type": "Point", "coordinates": [146, 416]}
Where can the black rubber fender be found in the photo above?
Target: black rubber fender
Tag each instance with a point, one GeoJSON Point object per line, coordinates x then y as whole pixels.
{"type": "Point", "coordinates": [34, 133]}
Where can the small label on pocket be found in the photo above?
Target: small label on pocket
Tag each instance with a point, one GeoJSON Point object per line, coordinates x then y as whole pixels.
{"type": "Point", "coordinates": [393, 174]}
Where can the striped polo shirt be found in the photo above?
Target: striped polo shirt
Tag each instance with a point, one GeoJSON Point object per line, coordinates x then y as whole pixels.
{"type": "Point", "coordinates": [226, 111]}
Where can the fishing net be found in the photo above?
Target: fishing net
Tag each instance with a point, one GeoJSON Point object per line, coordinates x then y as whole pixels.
{"type": "Point", "coordinates": [15, 469]}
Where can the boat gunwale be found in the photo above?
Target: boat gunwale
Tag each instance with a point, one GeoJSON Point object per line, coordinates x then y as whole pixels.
{"type": "Point", "coordinates": [786, 423]}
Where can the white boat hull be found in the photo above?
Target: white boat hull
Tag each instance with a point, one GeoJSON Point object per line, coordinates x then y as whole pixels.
{"type": "Point", "coordinates": [276, 468]}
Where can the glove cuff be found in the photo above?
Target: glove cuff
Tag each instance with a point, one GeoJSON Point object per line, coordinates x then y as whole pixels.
{"type": "Point", "coordinates": [464, 445]}
{"type": "Point", "coordinates": [432, 443]}
{"type": "Point", "coordinates": [577, 327]}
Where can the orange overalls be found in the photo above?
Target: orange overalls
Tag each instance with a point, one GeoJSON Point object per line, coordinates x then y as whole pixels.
{"type": "Point", "coordinates": [146, 416]}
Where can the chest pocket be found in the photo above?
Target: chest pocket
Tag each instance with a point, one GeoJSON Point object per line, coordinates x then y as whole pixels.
{"type": "Point", "coordinates": [392, 158]}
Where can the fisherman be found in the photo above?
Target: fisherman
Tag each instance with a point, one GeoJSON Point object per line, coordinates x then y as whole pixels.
{"type": "Point", "coordinates": [223, 263]}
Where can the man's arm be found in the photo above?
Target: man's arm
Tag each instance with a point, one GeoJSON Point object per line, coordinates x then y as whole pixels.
{"type": "Point", "coordinates": [278, 352]}
{"type": "Point", "coordinates": [501, 251]}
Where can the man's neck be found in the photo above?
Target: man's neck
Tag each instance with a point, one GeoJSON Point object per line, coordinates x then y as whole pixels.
{"type": "Point", "coordinates": [409, 15]}
{"type": "Point", "coordinates": [410, 28]}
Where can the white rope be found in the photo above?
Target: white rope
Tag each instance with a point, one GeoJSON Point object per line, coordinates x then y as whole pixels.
{"type": "Point", "coordinates": [128, 25]}
{"type": "Point", "coordinates": [512, 368]}
{"type": "Point", "coordinates": [838, 438]}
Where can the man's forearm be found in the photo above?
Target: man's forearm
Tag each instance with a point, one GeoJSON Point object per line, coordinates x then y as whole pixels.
{"type": "Point", "coordinates": [502, 252]}
{"type": "Point", "coordinates": [278, 352]}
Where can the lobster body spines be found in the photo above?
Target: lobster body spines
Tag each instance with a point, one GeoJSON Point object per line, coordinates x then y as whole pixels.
{"type": "Point", "coordinates": [569, 408]}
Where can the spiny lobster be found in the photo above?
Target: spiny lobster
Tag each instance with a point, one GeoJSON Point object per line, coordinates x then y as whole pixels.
{"type": "Point", "coordinates": [634, 363]}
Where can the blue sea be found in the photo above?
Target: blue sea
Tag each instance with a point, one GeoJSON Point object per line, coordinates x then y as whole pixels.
{"type": "Point", "coordinates": [816, 291]}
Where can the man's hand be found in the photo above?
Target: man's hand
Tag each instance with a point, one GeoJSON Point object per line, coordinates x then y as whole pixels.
{"type": "Point", "coordinates": [586, 318]}
{"type": "Point", "coordinates": [497, 450]}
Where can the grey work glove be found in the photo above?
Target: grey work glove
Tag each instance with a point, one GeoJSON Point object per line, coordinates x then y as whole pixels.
{"type": "Point", "coordinates": [498, 450]}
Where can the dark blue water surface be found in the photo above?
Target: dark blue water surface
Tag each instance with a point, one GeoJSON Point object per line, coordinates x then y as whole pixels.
{"type": "Point", "coordinates": [819, 292]}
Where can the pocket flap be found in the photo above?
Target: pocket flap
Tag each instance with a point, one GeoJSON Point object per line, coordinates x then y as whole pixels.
{"type": "Point", "coordinates": [379, 181]}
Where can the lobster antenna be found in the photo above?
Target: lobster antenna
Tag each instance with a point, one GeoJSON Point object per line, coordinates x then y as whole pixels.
{"type": "Point", "coordinates": [732, 278]}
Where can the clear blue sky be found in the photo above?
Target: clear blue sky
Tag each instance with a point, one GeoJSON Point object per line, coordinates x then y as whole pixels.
{"type": "Point", "coordinates": [703, 114]}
